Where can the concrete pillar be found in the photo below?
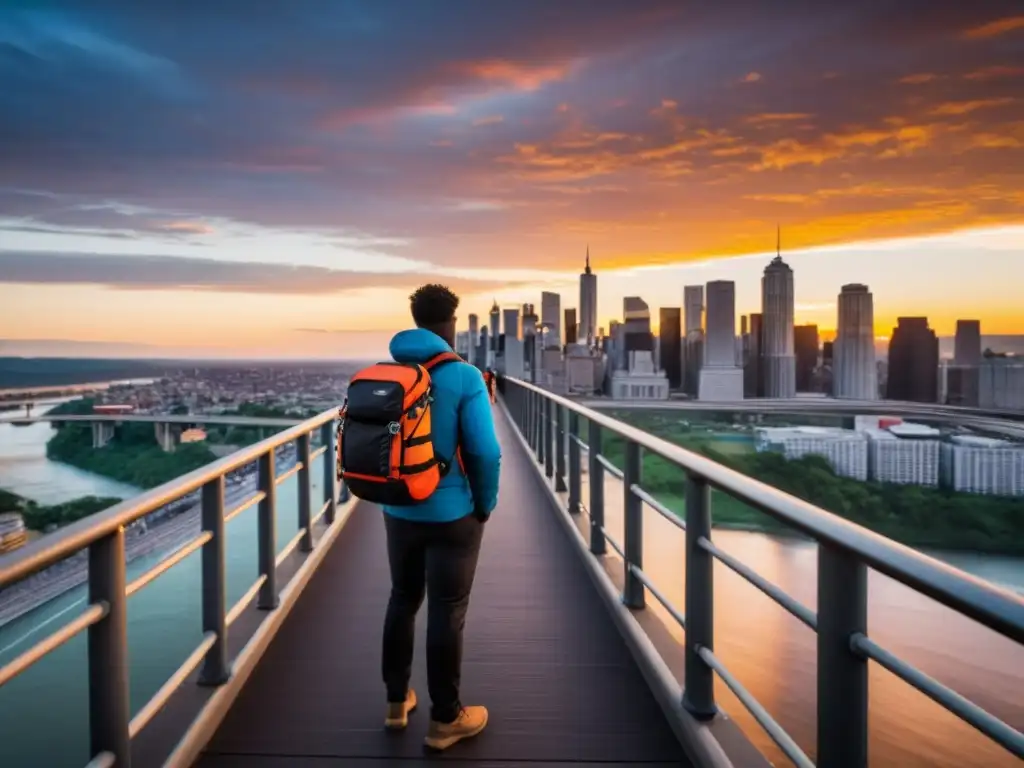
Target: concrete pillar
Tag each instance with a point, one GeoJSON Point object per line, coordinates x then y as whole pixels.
{"type": "Point", "coordinates": [165, 436]}
{"type": "Point", "coordinates": [102, 433]}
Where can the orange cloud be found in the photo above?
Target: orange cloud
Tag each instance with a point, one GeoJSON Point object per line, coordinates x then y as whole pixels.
{"type": "Point", "coordinates": [900, 141]}
{"type": "Point", "coordinates": [777, 117]}
{"type": "Point", "coordinates": [995, 72]}
{"type": "Point", "coordinates": [918, 79]}
{"type": "Point", "coordinates": [522, 77]}
{"type": "Point", "coordinates": [187, 227]}
{"type": "Point", "coordinates": [751, 77]}
{"type": "Point", "coordinates": [966, 107]}
{"type": "Point", "coordinates": [995, 28]}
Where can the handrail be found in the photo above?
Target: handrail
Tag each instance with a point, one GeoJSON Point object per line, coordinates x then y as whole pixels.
{"type": "Point", "coordinates": [105, 618]}
{"type": "Point", "coordinates": [845, 552]}
{"type": "Point", "coordinates": [996, 608]}
{"type": "Point", "coordinates": [44, 552]}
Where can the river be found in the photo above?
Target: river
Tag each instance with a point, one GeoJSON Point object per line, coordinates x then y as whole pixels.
{"type": "Point", "coordinates": [768, 650]}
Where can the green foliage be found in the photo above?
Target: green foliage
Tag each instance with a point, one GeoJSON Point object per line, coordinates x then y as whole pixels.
{"type": "Point", "coordinates": [131, 457]}
{"type": "Point", "coordinates": [914, 515]}
{"type": "Point", "coordinates": [38, 517]}
{"type": "Point", "coordinates": [10, 502]}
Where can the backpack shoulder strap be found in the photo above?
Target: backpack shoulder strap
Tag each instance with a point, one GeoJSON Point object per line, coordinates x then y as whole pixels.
{"type": "Point", "coordinates": [441, 358]}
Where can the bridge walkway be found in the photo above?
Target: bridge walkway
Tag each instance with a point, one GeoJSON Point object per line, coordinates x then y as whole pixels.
{"type": "Point", "coordinates": [541, 652]}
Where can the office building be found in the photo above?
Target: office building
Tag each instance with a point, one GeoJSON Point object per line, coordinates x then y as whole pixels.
{"type": "Point", "coordinates": [670, 345]}
{"type": "Point", "coordinates": [976, 464]}
{"type": "Point", "coordinates": [570, 327]}
{"type": "Point", "coordinates": [474, 338]}
{"type": "Point", "coordinates": [753, 370]}
{"type": "Point", "coordinates": [967, 345]}
{"type": "Point", "coordinates": [588, 305]}
{"type": "Point", "coordinates": [721, 379]}
{"type": "Point", "coordinates": [777, 350]}
{"type": "Point", "coordinates": [805, 344]}
{"type": "Point", "coordinates": [641, 381]}
{"type": "Point", "coordinates": [845, 449]}
{"type": "Point", "coordinates": [854, 374]}
{"type": "Point", "coordinates": [904, 453]}
{"type": "Point", "coordinates": [512, 357]}
{"type": "Point", "coordinates": [1001, 383]}
{"type": "Point", "coordinates": [693, 308]}
{"type": "Point", "coordinates": [636, 327]}
{"type": "Point", "coordinates": [495, 319]}
{"type": "Point", "coordinates": [551, 319]}
{"type": "Point", "coordinates": [963, 384]}
{"type": "Point", "coordinates": [913, 361]}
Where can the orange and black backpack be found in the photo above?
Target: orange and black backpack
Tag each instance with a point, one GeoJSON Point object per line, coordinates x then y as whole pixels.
{"type": "Point", "coordinates": [385, 450]}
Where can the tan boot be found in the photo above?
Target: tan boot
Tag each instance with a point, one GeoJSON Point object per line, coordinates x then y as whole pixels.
{"type": "Point", "coordinates": [398, 714]}
{"type": "Point", "coordinates": [469, 723]}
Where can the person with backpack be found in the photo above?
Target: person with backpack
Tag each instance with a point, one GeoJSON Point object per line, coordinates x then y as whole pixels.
{"type": "Point", "coordinates": [417, 436]}
{"type": "Point", "coordinates": [491, 380]}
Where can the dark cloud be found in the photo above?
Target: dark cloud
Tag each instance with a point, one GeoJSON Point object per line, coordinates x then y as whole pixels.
{"type": "Point", "coordinates": [382, 115]}
{"type": "Point", "coordinates": [166, 273]}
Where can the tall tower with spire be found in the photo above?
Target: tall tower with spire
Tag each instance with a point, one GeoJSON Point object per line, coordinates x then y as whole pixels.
{"type": "Point", "coordinates": [588, 304]}
{"type": "Point", "coordinates": [777, 309]}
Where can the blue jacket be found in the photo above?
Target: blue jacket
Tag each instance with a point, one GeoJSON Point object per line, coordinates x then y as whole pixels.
{"type": "Point", "coordinates": [461, 407]}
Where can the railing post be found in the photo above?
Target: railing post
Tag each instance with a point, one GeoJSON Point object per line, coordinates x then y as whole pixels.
{"type": "Point", "coordinates": [215, 669]}
{"type": "Point", "coordinates": [302, 453]}
{"type": "Point", "coordinates": [633, 525]}
{"type": "Point", "coordinates": [597, 543]}
{"type": "Point", "coordinates": [330, 476]}
{"type": "Point", "coordinates": [574, 463]}
{"type": "Point", "coordinates": [267, 512]}
{"type": "Point", "coordinates": [560, 449]}
{"type": "Point", "coordinates": [549, 447]}
{"type": "Point", "coordinates": [842, 674]}
{"type": "Point", "coordinates": [539, 411]}
{"type": "Point", "coordinates": [699, 693]}
{"type": "Point", "coordinates": [109, 709]}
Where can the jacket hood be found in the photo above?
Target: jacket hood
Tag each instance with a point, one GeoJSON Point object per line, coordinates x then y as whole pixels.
{"type": "Point", "coordinates": [417, 345]}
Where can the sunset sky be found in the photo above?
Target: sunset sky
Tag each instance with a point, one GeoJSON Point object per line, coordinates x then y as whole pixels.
{"type": "Point", "coordinates": [260, 178]}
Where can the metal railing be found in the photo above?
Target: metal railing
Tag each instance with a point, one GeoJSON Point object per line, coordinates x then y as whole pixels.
{"type": "Point", "coordinates": [111, 726]}
{"type": "Point", "coordinates": [551, 425]}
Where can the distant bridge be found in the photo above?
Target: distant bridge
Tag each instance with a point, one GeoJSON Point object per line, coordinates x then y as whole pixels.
{"type": "Point", "coordinates": [164, 418]}
{"type": "Point", "coordinates": [167, 427]}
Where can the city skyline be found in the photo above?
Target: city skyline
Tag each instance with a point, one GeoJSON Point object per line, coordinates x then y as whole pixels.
{"type": "Point", "coordinates": [245, 204]}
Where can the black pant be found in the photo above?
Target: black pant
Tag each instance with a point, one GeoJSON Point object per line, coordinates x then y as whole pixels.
{"type": "Point", "coordinates": [439, 559]}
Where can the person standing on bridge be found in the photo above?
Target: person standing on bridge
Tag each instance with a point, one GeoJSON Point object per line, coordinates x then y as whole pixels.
{"type": "Point", "coordinates": [433, 546]}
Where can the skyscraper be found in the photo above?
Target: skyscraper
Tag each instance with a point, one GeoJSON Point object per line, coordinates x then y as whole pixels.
{"type": "Point", "coordinates": [670, 341]}
{"type": "Point", "coordinates": [588, 305]}
{"type": "Point", "coordinates": [720, 377]}
{"type": "Point", "coordinates": [967, 349]}
{"type": "Point", "coordinates": [805, 344]}
{"type": "Point", "coordinates": [693, 307]}
{"type": "Point", "coordinates": [495, 330]}
{"type": "Point", "coordinates": [854, 373]}
{"type": "Point", "coordinates": [693, 346]}
{"type": "Point", "coordinates": [570, 326]}
{"type": "Point", "coordinates": [753, 368]}
{"type": "Point", "coordinates": [551, 319]}
{"type": "Point", "coordinates": [913, 361]}
{"type": "Point", "coordinates": [474, 338]}
{"type": "Point", "coordinates": [777, 303]}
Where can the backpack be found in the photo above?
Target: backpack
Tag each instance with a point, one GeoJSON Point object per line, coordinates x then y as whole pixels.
{"type": "Point", "coordinates": [385, 449]}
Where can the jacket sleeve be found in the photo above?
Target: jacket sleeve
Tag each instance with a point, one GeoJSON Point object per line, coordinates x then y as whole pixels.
{"type": "Point", "coordinates": [481, 452]}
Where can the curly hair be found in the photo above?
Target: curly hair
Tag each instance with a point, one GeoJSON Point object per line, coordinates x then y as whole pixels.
{"type": "Point", "coordinates": [433, 305]}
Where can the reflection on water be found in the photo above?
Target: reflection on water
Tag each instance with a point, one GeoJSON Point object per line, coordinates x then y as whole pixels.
{"type": "Point", "coordinates": [774, 655]}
